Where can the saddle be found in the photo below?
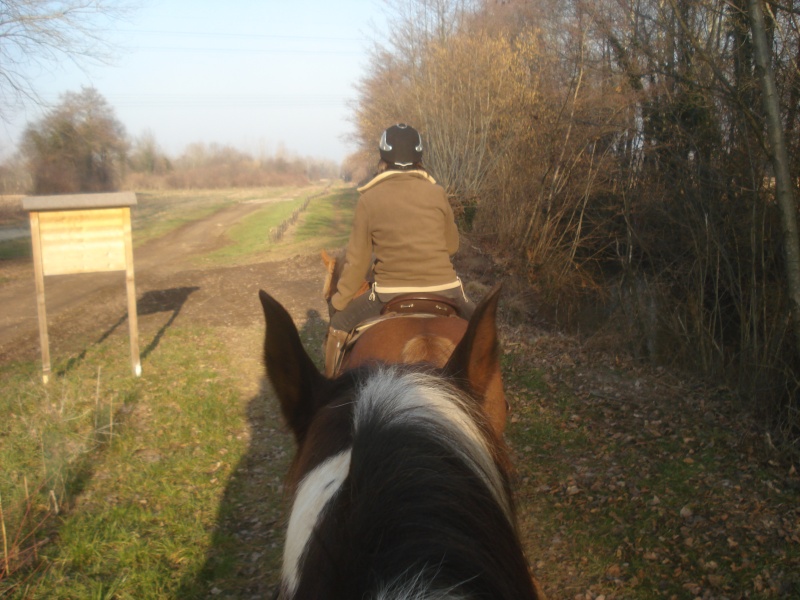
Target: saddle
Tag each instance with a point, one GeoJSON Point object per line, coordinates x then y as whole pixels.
{"type": "Point", "coordinates": [413, 305]}
{"type": "Point", "coordinates": [417, 303]}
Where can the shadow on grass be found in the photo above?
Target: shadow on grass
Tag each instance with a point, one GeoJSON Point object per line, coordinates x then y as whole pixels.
{"type": "Point", "coordinates": [152, 302]}
{"type": "Point", "coordinates": [41, 522]}
{"type": "Point", "coordinates": [244, 558]}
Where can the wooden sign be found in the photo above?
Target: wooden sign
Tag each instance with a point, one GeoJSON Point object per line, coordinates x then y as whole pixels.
{"type": "Point", "coordinates": [82, 233]}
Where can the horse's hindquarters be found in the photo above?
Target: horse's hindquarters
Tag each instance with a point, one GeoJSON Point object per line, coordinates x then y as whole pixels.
{"type": "Point", "coordinates": [408, 340]}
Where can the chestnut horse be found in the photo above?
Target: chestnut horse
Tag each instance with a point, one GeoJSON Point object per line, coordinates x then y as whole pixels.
{"type": "Point", "coordinates": [400, 485]}
{"type": "Point", "coordinates": [410, 339]}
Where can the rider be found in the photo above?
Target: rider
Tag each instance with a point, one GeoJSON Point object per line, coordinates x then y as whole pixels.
{"type": "Point", "coordinates": [404, 222]}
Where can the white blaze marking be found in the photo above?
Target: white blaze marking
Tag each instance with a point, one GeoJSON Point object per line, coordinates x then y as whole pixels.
{"type": "Point", "coordinates": [315, 491]}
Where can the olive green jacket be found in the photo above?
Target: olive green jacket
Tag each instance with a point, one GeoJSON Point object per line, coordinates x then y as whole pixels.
{"type": "Point", "coordinates": [405, 220]}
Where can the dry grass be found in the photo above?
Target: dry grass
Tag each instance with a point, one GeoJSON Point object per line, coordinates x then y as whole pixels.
{"type": "Point", "coordinates": [11, 212]}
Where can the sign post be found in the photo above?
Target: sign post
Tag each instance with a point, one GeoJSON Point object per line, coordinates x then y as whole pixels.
{"type": "Point", "coordinates": [82, 233]}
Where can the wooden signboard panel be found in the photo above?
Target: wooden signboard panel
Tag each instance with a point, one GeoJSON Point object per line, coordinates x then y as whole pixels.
{"type": "Point", "coordinates": [83, 241]}
{"type": "Point", "coordinates": [82, 233]}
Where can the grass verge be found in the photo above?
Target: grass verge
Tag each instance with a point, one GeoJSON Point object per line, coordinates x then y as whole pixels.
{"type": "Point", "coordinates": [328, 221]}
{"type": "Point", "coordinates": [325, 223]}
{"type": "Point", "coordinates": [115, 487]}
{"type": "Point", "coordinates": [17, 248]}
{"type": "Point", "coordinates": [112, 487]}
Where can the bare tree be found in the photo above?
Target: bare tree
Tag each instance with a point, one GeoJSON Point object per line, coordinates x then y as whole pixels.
{"type": "Point", "coordinates": [79, 146]}
{"type": "Point", "coordinates": [780, 162]}
{"type": "Point", "coordinates": [35, 34]}
{"type": "Point", "coordinates": [147, 157]}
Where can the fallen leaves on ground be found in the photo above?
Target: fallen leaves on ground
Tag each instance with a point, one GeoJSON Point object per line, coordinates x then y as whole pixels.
{"type": "Point", "coordinates": [635, 482]}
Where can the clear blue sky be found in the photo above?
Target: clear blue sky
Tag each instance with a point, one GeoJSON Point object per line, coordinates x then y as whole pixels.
{"type": "Point", "coordinates": [254, 74]}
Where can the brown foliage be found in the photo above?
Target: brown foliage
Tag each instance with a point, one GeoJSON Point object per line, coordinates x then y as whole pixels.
{"type": "Point", "coordinates": [614, 152]}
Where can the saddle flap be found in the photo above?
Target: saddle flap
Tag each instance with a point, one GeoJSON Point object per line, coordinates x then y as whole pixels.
{"type": "Point", "coordinates": [415, 303]}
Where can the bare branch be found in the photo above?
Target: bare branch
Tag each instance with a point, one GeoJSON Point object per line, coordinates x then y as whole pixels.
{"type": "Point", "coordinates": [37, 34]}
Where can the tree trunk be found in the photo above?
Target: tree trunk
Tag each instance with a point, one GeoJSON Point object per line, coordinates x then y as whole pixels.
{"type": "Point", "coordinates": [784, 187]}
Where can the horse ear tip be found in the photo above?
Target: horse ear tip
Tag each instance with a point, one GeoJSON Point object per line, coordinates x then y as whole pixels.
{"type": "Point", "coordinates": [267, 301]}
{"type": "Point", "coordinates": [492, 297]}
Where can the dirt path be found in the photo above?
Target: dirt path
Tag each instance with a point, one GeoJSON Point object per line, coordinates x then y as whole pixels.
{"type": "Point", "coordinates": [167, 279]}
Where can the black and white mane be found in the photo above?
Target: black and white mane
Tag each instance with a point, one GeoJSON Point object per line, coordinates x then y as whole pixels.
{"type": "Point", "coordinates": [400, 488]}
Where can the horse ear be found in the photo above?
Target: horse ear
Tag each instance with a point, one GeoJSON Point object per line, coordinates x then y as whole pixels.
{"type": "Point", "coordinates": [476, 359]}
{"type": "Point", "coordinates": [327, 259]}
{"type": "Point", "coordinates": [292, 372]}
{"type": "Point", "coordinates": [330, 265]}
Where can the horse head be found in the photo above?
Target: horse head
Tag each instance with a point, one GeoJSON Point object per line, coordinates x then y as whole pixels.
{"type": "Point", "coordinates": [400, 485]}
{"type": "Point", "coordinates": [331, 275]}
{"type": "Point", "coordinates": [474, 361]}
{"type": "Point", "coordinates": [334, 264]}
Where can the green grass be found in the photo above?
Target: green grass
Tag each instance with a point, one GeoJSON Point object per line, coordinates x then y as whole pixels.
{"type": "Point", "coordinates": [329, 219]}
{"type": "Point", "coordinates": [138, 469]}
{"type": "Point", "coordinates": [117, 487]}
{"type": "Point", "coordinates": [250, 237]}
{"type": "Point", "coordinates": [11, 249]}
{"type": "Point", "coordinates": [154, 207]}
{"type": "Point", "coordinates": [157, 213]}
{"type": "Point", "coordinates": [325, 223]}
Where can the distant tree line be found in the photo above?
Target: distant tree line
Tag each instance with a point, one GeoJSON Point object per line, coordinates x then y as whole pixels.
{"type": "Point", "coordinates": [614, 151]}
{"type": "Point", "coordinates": [80, 146]}
{"type": "Point", "coordinates": [218, 166]}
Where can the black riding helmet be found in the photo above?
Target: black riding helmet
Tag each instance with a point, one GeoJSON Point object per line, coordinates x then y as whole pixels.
{"type": "Point", "coordinates": [401, 146]}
